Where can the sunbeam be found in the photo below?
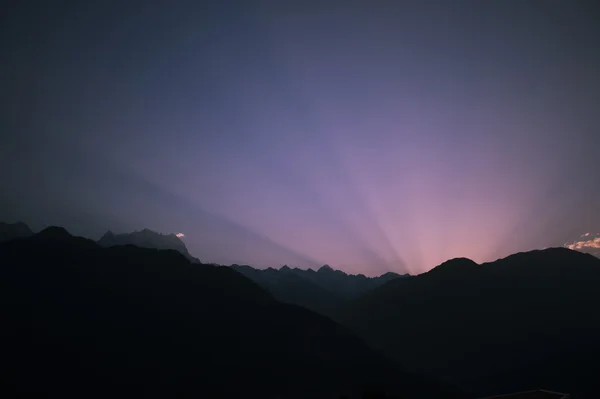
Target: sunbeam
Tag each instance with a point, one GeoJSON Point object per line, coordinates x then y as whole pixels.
{"type": "Point", "coordinates": [349, 136]}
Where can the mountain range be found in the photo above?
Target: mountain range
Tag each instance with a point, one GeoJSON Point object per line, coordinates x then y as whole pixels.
{"type": "Point", "coordinates": [325, 290]}
{"type": "Point", "coordinates": [83, 320]}
{"type": "Point", "coordinates": [147, 238]}
{"type": "Point", "coordinates": [151, 321]}
{"type": "Point", "coordinates": [144, 238]}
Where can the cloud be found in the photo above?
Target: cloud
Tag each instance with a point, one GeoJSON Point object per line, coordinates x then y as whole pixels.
{"type": "Point", "coordinates": [586, 235]}
{"type": "Point", "coordinates": [180, 235]}
{"type": "Point", "coordinates": [588, 244]}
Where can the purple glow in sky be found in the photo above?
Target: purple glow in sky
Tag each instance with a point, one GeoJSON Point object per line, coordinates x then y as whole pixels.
{"type": "Point", "coordinates": [368, 137]}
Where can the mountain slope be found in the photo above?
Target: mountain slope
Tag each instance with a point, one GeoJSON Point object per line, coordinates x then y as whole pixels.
{"type": "Point", "coordinates": [80, 320]}
{"type": "Point", "coordinates": [10, 231]}
{"type": "Point", "coordinates": [147, 239]}
{"type": "Point", "coordinates": [323, 291]}
{"type": "Point", "coordinates": [525, 321]}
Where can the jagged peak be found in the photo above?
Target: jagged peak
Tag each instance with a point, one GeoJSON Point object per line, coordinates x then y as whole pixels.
{"type": "Point", "coordinates": [393, 274]}
{"type": "Point", "coordinates": [325, 268]}
{"type": "Point", "coordinates": [108, 234]}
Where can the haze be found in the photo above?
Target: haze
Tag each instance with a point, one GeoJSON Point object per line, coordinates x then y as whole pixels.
{"type": "Point", "coordinates": [372, 138]}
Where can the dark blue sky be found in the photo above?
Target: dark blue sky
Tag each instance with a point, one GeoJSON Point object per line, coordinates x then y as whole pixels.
{"type": "Point", "coordinates": [371, 136]}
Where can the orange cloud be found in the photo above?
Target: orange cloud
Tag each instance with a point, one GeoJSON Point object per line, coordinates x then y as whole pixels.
{"type": "Point", "coordinates": [591, 243]}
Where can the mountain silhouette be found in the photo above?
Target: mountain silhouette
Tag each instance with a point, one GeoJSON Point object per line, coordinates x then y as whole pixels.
{"type": "Point", "coordinates": [10, 231]}
{"type": "Point", "coordinates": [323, 291]}
{"type": "Point", "coordinates": [528, 320]}
{"type": "Point", "coordinates": [454, 267]}
{"type": "Point", "coordinates": [147, 238]}
{"type": "Point", "coordinates": [325, 269]}
{"type": "Point", "coordinates": [82, 320]}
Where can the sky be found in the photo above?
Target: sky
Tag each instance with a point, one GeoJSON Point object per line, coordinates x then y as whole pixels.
{"type": "Point", "coordinates": [370, 136]}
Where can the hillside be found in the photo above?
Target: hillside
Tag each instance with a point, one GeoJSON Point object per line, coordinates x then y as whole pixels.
{"type": "Point", "coordinates": [529, 320]}
{"type": "Point", "coordinates": [80, 320]}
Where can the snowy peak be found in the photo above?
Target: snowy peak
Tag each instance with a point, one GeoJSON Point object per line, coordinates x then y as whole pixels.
{"type": "Point", "coordinates": [147, 238]}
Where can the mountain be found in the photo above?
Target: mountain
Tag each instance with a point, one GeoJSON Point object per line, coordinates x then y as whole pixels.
{"type": "Point", "coordinates": [290, 287]}
{"type": "Point", "coordinates": [10, 231]}
{"type": "Point", "coordinates": [82, 320]}
{"type": "Point", "coordinates": [323, 291]}
{"type": "Point", "coordinates": [147, 239]}
{"type": "Point", "coordinates": [529, 320]}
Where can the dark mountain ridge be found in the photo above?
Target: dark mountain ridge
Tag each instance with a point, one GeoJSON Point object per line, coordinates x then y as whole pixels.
{"type": "Point", "coordinates": [10, 231]}
{"type": "Point", "coordinates": [454, 266]}
{"type": "Point", "coordinates": [528, 320]}
{"type": "Point", "coordinates": [147, 238]}
{"type": "Point", "coordinates": [323, 291]}
{"type": "Point", "coordinates": [84, 320]}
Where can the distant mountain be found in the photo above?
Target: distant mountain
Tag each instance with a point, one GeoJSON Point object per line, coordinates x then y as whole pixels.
{"type": "Point", "coordinates": [79, 320]}
{"type": "Point", "coordinates": [147, 239]}
{"type": "Point", "coordinates": [323, 291]}
{"type": "Point", "coordinates": [10, 231]}
{"type": "Point", "coordinates": [529, 320]}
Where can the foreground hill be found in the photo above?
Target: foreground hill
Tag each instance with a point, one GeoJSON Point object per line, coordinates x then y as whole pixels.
{"type": "Point", "coordinates": [80, 320]}
{"type": "Point", "coordinates": [529, 320]}
{"type": "Point", "coordinates": [147, 238]}
{"type": "Point", "coordinates": [323, 291]}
